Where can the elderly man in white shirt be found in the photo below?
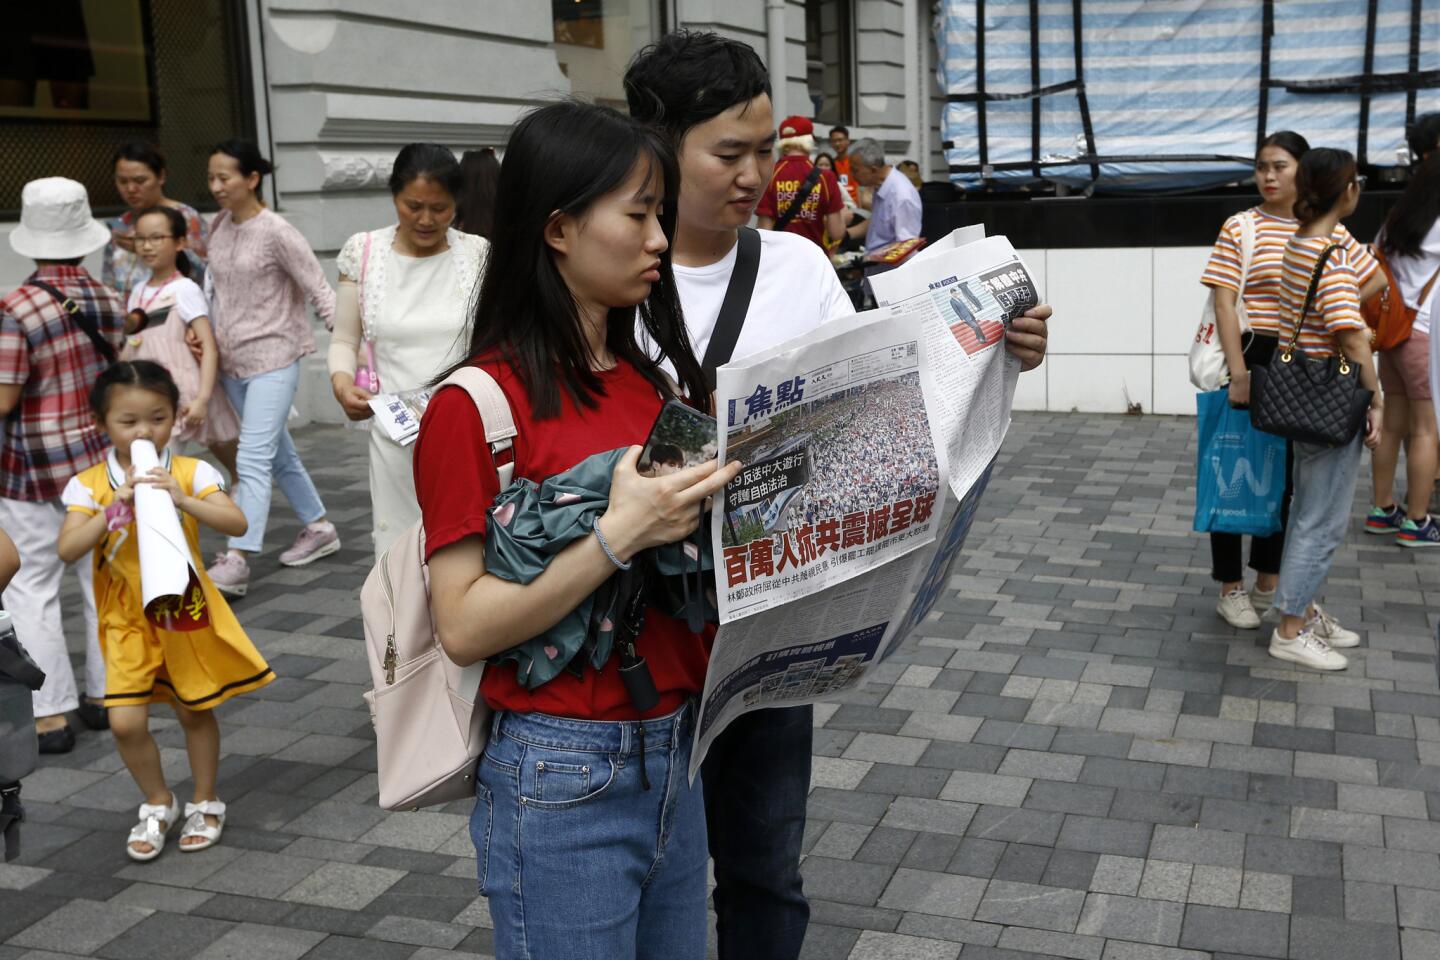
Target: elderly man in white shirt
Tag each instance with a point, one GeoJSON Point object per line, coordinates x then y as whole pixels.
{"type": "Point", "coordinates": [895, 212]}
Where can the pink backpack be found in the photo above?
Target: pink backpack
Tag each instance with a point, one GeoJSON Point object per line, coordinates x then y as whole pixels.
{"type": "Point", "coordinates": [430, 720]}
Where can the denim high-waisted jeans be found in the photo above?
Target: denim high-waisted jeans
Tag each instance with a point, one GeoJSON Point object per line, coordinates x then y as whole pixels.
{"type": "Point", "coordinates": [266, 451]}
{"type": "Point", "coordinates": [578, 861]}
{"type": "Point", "coordinates": [1319, 516]}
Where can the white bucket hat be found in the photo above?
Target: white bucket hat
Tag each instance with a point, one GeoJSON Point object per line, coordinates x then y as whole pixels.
{"type": "Point", "coordinates": [55, 221]}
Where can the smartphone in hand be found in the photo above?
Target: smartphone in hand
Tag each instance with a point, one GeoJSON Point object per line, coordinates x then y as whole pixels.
{"type": "Point", "coordinates": [680, 437]}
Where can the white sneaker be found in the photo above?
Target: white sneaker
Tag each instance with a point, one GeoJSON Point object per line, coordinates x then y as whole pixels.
{"type": "Point", "coordinates": [1262, 600]}
{"type": "Point", "coordinates": [1328, 629]}
{"type": "Point", "coordinates": [1235, 609]}
{"type": "Point", "coordinates": [1306, 649]}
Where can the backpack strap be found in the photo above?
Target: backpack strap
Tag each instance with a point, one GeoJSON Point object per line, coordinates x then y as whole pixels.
{"type": "Point", "coordinates": [81, 319]}
{"type": "Point", "coordinates": [802, 197]}
{"type": "Point", "coordinates": [735, 305]}
{"type": "Point", "coordinates": [495, 414]}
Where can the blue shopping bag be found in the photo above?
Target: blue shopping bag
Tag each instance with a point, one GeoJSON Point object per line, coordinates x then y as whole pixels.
{"type": "Point", "coordinates": [1239, 471]}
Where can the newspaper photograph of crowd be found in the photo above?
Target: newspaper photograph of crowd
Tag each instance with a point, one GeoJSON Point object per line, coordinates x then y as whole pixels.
{"type": "Point", "coordinates": [866, 446]}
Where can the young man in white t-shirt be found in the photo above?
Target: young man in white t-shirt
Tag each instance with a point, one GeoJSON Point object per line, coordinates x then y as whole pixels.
{"type": "Point", "coordinates": [711, 96]}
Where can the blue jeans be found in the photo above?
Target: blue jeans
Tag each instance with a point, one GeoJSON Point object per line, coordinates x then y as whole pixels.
{"type": "Point", "coordinates": [1319, 516]}
{"type": "Point", "coordinates": [757, 780]}
{"type": "Point", "coordinates": [266, 451]}
{"type": "Point", "coordinates": [579, 862]}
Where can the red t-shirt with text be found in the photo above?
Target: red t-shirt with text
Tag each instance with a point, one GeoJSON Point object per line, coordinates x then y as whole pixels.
{"type": "Point", "coordinates": [456, 483]}
{"type": "Point", "coordinates": [786, 182]}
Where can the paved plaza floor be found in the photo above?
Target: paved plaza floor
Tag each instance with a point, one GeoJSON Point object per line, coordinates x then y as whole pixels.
{"type": "Point", "coordinates": [1074, 758]}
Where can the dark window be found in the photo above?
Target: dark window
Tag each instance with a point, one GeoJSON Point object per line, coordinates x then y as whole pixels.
{"type": "Point", "coordinates": [80, 77]}
{"type": "Point", "coordinates": [830, 59]}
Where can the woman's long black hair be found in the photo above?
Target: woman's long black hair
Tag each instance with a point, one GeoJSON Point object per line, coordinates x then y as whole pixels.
{"type": "Point", "coordinates": [480, 176]}
{"type": "Point", "coordinates": [564, 157]}
{"type": "Point", "coordinates": [1415, 213]}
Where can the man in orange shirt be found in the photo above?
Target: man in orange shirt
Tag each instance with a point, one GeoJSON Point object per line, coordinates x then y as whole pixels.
{"type": "Point", "coordinates": [840, 144]}
{"type": "Point", "coordinates": [801, 198]}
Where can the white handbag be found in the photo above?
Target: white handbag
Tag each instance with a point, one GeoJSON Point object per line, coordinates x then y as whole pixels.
{"type": "Point", "coordinates": [431, 722]}
{"type": "Point", "coordinates": [1208, 370]}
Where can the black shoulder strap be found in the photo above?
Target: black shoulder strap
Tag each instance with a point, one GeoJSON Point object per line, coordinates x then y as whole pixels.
{"type": "Point", "coordinates": [735, 305]}
{"type": "Point", "coordinates": [82, 320]}
{"type": "Point", "coordinates": [1310, 293]}
{"type": "Point", "coordinates": [802, 196]}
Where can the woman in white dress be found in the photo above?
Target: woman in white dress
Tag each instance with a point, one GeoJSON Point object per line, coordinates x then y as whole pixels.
{"type": "Point", "coordinates": [405, 295]}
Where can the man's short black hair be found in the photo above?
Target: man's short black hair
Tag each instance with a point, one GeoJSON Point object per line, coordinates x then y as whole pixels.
{"type": "Point", "coordinates": [688, 77]}
{"type": "Point", "coordinates": [839, 129]}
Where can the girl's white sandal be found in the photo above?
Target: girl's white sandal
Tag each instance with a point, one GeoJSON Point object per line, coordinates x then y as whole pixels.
{"type": "Point", "coordinates": [149, 829]}
{"type": "Point", "coordinates": [195, 825]}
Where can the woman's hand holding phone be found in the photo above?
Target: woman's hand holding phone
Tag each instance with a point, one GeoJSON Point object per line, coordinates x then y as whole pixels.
{"type": "Point", "coordinates": [646, 512]}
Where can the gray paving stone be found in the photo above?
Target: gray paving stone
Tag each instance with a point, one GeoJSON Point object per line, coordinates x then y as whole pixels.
{"type": "Point", "coordinates": [1266, 891]}
{"type": "Point", "coordinates": [165, 935]}
{"type": "Point", "coordinates": [1165, 880]}
{"type": "Point", "coordinates": [1235, 931]}
{"type": "Point", "coordinates": [1370, 902]}
{"type": "Point", "coordinates": [1400, 867]}
{"type": "Point", "coordinates": [1048, 943]}
{"type": "Point", "coordinates": [1119, 950]}
{"type": "Point", "coordinates": [1131, 918]}
{"type": "Point", "coordinates": [1031, 905]}
{"type": "Point", "coordinates": [1385, 801]}
{"type": "Point", "coordinates": [1198, 845]}
{"type": "Point", "coordinates": [1183, 727]}
{"type": "Point", "coordinates": [1024, 863]}
{"type": "Point", "coordinates": [981, 788]}
{"type": "Point", "coordinates": [1418, 908]}
{"type": "Point", "coordinates": [1215, 886]}
{"type": "Point", "coordinates": [1309, 858]}
{"type": "Point", "coordinates": [1336, 825]}
{"type": "Point", "coordinates": [938, 816]}
{"type": "Point", "coordinates": [259, 874]}
{"type": "Point", "coordinates": [346, 886]}
{"type": "Point", "coordinates": [1016, 825]}
{"type": "Point", "coordinates": [80, 925]}
{"type": "Point", "coordinates": [1098, 835]}
{"type": "Point", "coordinates": [893, 946]}
{"type": "Point", "coordinates": [1120, 875]}
{"type": "Point", "coordinates": [1064, 797]}
{"type": "Point", "coordinates": [940, 894]}
{"type": "Point", "coordinates": [422, 933]}
{"type": "Point", "coordinates": [1330, 938]}
{"type": "Point", "coordinates": [844, 881]}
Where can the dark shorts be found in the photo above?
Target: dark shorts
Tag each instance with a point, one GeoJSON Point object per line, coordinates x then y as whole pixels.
{"type": "Point", "coordinates": [1405, 370]}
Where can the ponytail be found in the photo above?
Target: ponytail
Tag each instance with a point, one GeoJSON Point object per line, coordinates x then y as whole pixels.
{"type": "Point", "coordinates": [1321, 180]}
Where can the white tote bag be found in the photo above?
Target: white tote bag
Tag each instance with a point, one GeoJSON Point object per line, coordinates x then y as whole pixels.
{"type": "Point", "coordinates": [1208, 370]}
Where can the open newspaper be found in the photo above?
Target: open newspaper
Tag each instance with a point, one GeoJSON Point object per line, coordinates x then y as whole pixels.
{"type": "Point", "coordinates": [829, 545]}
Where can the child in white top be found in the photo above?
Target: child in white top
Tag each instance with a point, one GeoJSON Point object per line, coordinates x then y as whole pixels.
{"type": "Point", "coordinates": [161, 311]}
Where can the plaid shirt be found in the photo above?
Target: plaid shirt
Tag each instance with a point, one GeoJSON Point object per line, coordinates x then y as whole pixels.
{"type": "Point", "coordinates": [51, 435]}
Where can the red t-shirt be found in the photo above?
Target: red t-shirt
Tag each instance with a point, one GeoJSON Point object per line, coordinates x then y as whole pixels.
{"type": "Point", "coordinates": [456, 482]}
{"type": "Point", "coordinates": [785, 183]}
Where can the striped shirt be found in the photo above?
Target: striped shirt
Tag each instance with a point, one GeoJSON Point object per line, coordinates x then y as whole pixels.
{"type": "Point", "coordinates": [1336, 306]}
{"type": "Point", "coordinates": [1262, 287]}
{"type": "Point", "coordinates": [51, 435]}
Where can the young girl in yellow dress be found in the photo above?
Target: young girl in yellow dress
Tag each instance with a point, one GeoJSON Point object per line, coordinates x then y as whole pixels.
{"type": "Point", "coordinates": [200, 657]}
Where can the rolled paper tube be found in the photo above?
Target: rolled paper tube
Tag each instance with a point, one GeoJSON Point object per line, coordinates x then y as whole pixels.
{"type": "Point", "coordinates": [169, 586]}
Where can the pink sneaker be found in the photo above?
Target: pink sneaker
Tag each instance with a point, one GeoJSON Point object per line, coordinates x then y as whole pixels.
{"type": "Point", "coordinates": [231, 574]}
{"type": "Point", "coordinates": [316, 540]}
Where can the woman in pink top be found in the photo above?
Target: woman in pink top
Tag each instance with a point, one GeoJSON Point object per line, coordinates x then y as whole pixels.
{"type": "Point", "coordinates": [261, 274]}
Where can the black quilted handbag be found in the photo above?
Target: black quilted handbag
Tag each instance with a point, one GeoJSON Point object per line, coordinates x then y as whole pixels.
{"type": "Point", "coordinates": [1315, 400]}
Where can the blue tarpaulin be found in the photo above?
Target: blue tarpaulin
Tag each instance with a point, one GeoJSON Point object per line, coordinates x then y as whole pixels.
{"type": "Point", "coordinates": [1169, 94]}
